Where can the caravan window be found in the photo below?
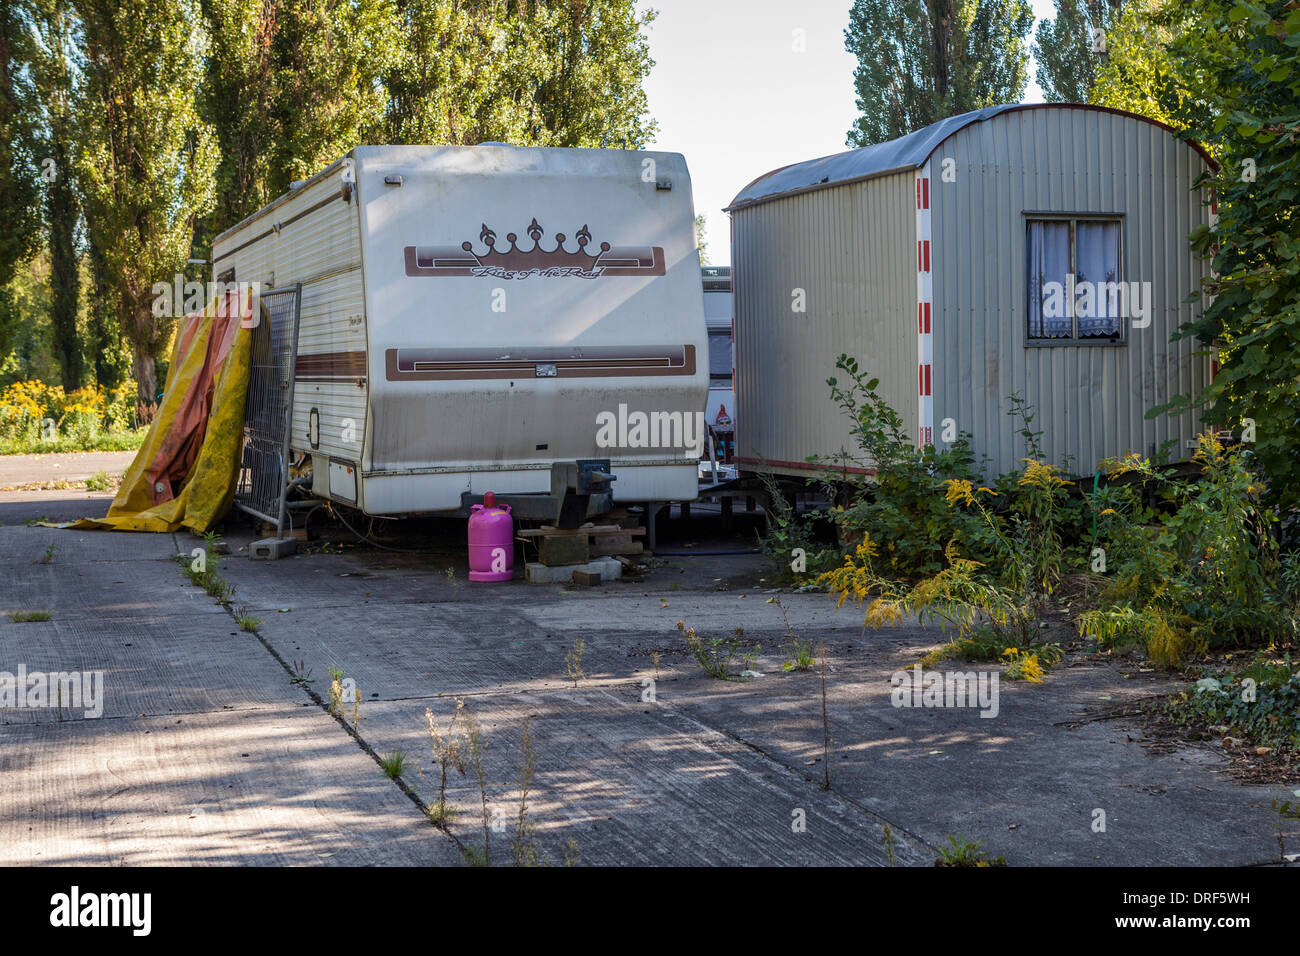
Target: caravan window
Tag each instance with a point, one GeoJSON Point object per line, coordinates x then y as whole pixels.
{"type": "Point", "coordinates": [719, 356]}
{"type": "Point", "coordinates": [1074, 291]}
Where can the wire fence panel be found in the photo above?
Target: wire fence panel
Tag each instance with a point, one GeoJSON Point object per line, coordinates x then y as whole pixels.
{"type": "Point", "coordinates": [264, 465]}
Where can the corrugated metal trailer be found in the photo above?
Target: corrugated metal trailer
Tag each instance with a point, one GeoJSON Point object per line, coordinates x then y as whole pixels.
{"type": "Point", "coordinates": [1040, 250]}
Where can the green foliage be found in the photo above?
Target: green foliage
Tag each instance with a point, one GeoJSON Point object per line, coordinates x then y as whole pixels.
{"type": "Point", "coordinates": [288, 87]}
{"type": "Point", "coordinates": [301, 674]}
{"type": "Point", "coordinates": [25, 617]}
{"type": "Point", "coordinates": [1063, 48]}
{"type": "Point", "coordinates": [715, 655]}
{"type": "Point", "coordinates": [20, 208]}
{"type": "Point", "coordinates": [1016, 529]}
{"type": "Point", "coordinates": [144, 158]}
{"type": "Point", "coordinates": [922, 60]}
{"type": "Point", "coordinates": [52, 68]}
{"type": "Point", "coordinates": [546, 73]}
{"type": "Point", "coordinates": [1206, 574]}
{"type": "Point", "coordinates": [1227, 75]}
{"type": "Point", "coordinates": [206, 573]}
{"type": "Point", "coordinates": [393, 764]}
{"type": "Point", "coordinates": [1138, 73]}
{"type": "Point", "coordinates": [993, 604]}
{"type": "Point", "coordinates": [36, 418]}
{"type": "Point", "coordinates": [1260, 703]}
{"type": "Point", "coordinates": [169, 121]}
{"type": "Point", "coordinates": [787, 532]}
{"type": "Point", "coordinates": [802, 657]}
{"type": "Point", "coordinates": [961, 852]}
{"type": "Point", "coordinates": [900, 505]}
{"type": "Point", "coordinates": [1248, 113]}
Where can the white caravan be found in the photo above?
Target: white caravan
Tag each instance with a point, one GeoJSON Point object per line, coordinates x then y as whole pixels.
{"type": "Point", "coordinates": [471, 316]}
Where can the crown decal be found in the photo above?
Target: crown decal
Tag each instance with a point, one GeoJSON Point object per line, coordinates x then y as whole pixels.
{"type": "Point", "coordinates": [515, 259]}
{"type": "Point", "coordinates": [512, 261]}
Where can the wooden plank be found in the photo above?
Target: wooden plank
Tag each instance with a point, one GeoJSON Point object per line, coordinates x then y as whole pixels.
{"type": "Point", "coordinates": [526, 533]}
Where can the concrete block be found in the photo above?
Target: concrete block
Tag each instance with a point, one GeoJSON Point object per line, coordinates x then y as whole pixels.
{"type": "Point", "coordinates": [272, 549]}
{"type": "Point", "coordinates": [558, 549]}
{"type": "Point", "coordinates": [608, 569]}
{"type": "Point", "coordinates": [587, 579]}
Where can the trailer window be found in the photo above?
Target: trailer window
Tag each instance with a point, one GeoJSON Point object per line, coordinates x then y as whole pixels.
{"type": "Point", "coordinates": [1074, 295]}
{"type": "Point", "coordinates": [719, 356]}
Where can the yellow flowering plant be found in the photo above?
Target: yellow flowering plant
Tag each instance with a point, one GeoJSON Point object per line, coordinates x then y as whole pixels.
{"type": "Point", "coordinates": [37, 417]}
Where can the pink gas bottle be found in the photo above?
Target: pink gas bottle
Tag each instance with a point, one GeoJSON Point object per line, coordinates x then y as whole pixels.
{"type": "Point", "coordinates": [491, 541]}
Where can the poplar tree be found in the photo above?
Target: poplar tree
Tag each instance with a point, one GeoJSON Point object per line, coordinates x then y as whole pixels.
{"type": "Point", "coordinates": [144, 159]}
{"type": "Point", "coordinates": [289, 86]}
{"type": "Point", "coordinates": [543, 73]}
{"type": "Point", "coordinates": [52, 68]}
{"type": "Point", "coordinates": [19, 196]}
{"type": "Point", "coordinates": [922, 60]}
{"type": "Point", "coordinates": [1071, 47]}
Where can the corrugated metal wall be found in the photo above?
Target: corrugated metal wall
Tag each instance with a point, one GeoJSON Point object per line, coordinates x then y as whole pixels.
{"type": "Point", "coordinates": [323, 251]}
{"type": "Point", "coordinates": [852, 250]}
{"type": "Point", "coordinates": [1090, 400]}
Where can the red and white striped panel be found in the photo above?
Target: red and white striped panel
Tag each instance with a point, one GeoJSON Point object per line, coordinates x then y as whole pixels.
{"type": "Point", "coordinates": [1208, 300]}
{"type": "Point", "coordinates": [924, 300]}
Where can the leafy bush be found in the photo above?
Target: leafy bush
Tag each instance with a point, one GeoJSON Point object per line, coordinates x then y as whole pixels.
{"type": "Point", "coordinates": [1260, 703]}
{"type": "Point", "coordinates": [35, 418]}
{"type": "Point", "coordinates": [1206, 574]}
{"type": "Point", "coordinates": [788, 531]}
{"type": "Point", "coordinates": [715, 655]}
{"type": "Point", "coordinates": [899, 505]}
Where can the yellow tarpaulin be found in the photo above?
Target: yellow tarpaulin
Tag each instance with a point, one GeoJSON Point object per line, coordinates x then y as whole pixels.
{"type": "Point", "coordinates": [185, 473]}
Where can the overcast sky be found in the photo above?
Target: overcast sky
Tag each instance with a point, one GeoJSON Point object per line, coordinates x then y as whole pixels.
{"type": "Point", "coordinates": [732, 92]}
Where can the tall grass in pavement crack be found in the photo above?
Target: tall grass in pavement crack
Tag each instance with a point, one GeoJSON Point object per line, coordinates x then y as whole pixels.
{"type": "Point", "coordinates": [448, 751]}
{"type": "Point", "coordinates": [826, 724]}
{"type": "Point", "coordinates": [801, 650]}
{"type": "Point", "coordinates": [204, 569]}
{"type": "Point", "coordinates": [477, 745]}
{"type": "Point", "coordinates": [462, 745]}
{"type": "Point", "coordinates": [715, 655]}
{"type": "Point", "coordinates": [525, 845]}
{"type": "Point", "coordinates": [573, 662]}
{"type": "Point", "coordinates": [336, 690]}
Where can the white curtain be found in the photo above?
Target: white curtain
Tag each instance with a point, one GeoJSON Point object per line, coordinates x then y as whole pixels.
{"type": "Point", "coordinates": [1049, 261]}
{"type": "Point", "coordinates": [1096, 249]}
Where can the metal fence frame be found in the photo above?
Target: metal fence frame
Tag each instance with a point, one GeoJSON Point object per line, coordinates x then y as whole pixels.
{"type": "Point", "coordinates": [262, 492]}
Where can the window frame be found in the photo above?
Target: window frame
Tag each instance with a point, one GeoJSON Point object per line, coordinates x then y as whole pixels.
{"type": "Point", "coordinates": [1120, 339]}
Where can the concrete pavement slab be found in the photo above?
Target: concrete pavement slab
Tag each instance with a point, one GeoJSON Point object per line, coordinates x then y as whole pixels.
{"type": "Point", "coordinates": [277, 787]}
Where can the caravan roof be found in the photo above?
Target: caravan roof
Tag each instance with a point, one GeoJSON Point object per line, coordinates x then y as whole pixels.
{"type": "Point", "coordinates": [906, 152]}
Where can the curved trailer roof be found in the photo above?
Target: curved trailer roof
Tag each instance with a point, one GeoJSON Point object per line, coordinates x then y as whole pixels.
{"type": "Point", "coordinates": [897, 155]}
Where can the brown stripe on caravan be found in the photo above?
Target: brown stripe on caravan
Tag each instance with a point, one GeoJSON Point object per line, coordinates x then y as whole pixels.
{"type": "Point", "coordinates": [421, 365]}
{"type": "Point", "coordinates": [330, 366]}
